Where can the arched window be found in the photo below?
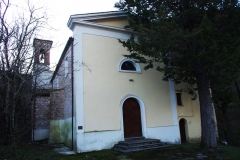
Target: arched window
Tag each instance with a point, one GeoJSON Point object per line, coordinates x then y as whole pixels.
{"type": "Point", "coordinates": [128, 65]}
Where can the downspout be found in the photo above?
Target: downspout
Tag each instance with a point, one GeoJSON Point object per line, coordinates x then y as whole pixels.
{"type": "Point", "coordinates": [72, 88]}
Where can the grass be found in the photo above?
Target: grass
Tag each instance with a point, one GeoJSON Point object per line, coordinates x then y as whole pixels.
{"type": "Point", "coordinates": [184, 151]}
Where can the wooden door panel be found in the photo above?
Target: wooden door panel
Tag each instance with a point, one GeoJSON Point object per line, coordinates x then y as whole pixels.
{"type": "Point", "coordinates": [137, 129]}
{"type": "Point", "coordinates": [127, 120]}
{"type": "Point", "coordinates": [132, 118]}
{"type": "Point", "coordinates": [128, 129]}
{"type": "Point", "coordinates": [136, 121]}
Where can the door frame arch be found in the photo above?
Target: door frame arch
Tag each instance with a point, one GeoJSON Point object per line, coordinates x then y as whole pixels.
{"type": "Point", "coordinates": [142, 110]}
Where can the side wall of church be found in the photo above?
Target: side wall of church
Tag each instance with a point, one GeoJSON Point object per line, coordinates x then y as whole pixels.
{"type": "Point", "coordinates": [61, 106]}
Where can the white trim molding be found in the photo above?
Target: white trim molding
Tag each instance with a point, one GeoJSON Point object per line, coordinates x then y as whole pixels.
{"type": "Point", "coordinates": [136, 65]}
{"type": "Point", "coordinates": [173, 102]}
{"type": "Point", "coordinates": [143, 114]}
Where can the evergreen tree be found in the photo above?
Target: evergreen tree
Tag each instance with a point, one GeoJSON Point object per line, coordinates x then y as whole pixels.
{"type": "Point", "coordinates": [191, 41]}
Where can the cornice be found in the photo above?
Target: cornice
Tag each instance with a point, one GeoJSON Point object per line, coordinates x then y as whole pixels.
{"type": "Point", "coordinates": [80, 18]}
{"type": "Point", "coordinates": [95, 25]}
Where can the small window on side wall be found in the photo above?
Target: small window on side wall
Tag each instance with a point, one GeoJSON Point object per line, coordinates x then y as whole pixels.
{"type": "Point", "coordinates": [179, 99]}
{"type": "Point", "coordinates": [129, 65]}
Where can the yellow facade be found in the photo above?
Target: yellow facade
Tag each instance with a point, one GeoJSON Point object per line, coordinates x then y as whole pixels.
{"type": "Point", "coordinates": [101, 88]}
{"type": "Point", "coordinates": [190, 111]}
{"type": "Point", "coordinates": [108, 86]}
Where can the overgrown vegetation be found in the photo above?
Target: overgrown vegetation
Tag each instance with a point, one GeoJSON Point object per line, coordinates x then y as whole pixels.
{"type": "Point", "coordinates": [19, 25]}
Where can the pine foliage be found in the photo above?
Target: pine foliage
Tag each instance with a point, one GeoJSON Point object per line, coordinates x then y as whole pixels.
{"type": "Point", "coordinates": [186, 39]}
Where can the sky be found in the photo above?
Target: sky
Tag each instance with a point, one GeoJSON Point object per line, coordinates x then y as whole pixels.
{"type": "Point", "coordinates": [59, 12]}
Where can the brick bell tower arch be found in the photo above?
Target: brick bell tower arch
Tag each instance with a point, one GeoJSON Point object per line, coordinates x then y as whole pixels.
{"type": "Point", "coordinates": [42, 51]}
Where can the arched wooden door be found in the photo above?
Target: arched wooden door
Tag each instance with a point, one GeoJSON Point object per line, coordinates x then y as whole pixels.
{"type": "Point", "coordinates": [182, 128]}
{"type": "Point", "coordinates": [132, 118]}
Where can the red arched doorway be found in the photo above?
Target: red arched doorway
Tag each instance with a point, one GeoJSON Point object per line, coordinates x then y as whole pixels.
{"type": "Point", "coordinates": [182, 127]}
{"type": "Point", "coordinates": [132, 118]}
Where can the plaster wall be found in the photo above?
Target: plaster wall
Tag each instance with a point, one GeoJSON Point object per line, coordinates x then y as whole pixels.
{"type": "Point", "coordinates": [190, 111]}
{"type": "Point", "coordinates": [41, 134]}
{"type": "Point", "coordinates": [91, 141]}
{"type": "Point", "coordinates": [105, 86]}
{"type": "Point", "coordinates": [61, 131]}
{"type": "Point", "coordinates": [56, 133]}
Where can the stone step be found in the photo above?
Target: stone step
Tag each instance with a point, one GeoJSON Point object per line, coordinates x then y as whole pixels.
{"type": "Point", "coordinates": [140, 141]}
{"type": "Point", "coordinates": [133, 138]}
{"type": "Point", "coordinates": [139, 149]}
{"type": "Point", "coordinates": [139, 144]}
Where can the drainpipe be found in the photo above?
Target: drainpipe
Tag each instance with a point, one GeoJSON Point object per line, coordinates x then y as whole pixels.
{"type": "Point", "coordinates": [72, 88]}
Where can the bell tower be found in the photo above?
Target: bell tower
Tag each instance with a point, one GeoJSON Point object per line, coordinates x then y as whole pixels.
{"type": "Point", "coordinates": [42, 51]}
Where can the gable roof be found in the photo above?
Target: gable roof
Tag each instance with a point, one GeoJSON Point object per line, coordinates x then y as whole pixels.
{"type": "Point", "coordinates": [89, 18]}
{"type": "Point", "coordinates": [69, 42]}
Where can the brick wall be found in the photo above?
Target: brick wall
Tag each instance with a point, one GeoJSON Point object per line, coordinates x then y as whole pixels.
{"type": "Point", "coordinates": [57, 100]}
{"type": "Point", "coordinates": [41, 112]}
{"type": "Point", "coordinates": [63, 81]}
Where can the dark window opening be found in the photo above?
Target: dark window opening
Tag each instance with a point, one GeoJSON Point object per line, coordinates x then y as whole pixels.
{"type": "Point", "coordinates": [42, 54]}
{"type": "Point", "coordinates": [128, 66]}
{"type": "Point", "coordinates": [179, 99]}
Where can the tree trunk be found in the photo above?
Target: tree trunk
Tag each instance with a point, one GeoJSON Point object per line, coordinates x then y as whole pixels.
{"type": "Point", "coordinates": [209, 137]}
